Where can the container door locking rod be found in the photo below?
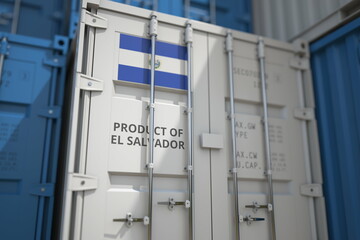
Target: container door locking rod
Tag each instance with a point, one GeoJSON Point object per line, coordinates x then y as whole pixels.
{"type": "Point", "coordinates": [188, 41]}
{"type": "Point", "coordinates": [147, 220]}
{"type": "Point", "coordinates": [171, 203]}
{"type": "Point", "coordinates": [229, 50]}
{"type": "Point", "coordinates": [268, 173]}
{"type": "Point", "coordinates": [150, 163]}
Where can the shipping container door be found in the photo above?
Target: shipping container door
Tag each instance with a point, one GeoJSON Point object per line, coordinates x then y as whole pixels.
{"type": "Point", "coordinates": [25, 136]}
{"type": "Point", "coordinates": [294, 216]}
{"type": "Point", "coordinates": [117, 142]}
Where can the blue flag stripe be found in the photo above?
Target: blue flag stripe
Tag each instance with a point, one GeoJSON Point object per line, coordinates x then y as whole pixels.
{"type": "Point", "coordinates": [142, 75]}
{"type": "Point", "coordinates": [144, 45]}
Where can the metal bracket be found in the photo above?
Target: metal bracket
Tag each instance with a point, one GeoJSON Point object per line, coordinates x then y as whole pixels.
{"type": "Point", "coordinates": [229, 42]}
{"type": "Point", "coordinates": [172, 203]}
{"type": "Point", "coordinates": [44, 190]}
{"type": "Point", "coordinates": [89, 83]}
{"type": "Point", "coordinates": [81, 182]}
{"type": "Point", "coordinates": [94, 20]}
{"type": "Point", "coordinates": [149, 166]}
{"type": "Point", "coordinates": [304, 113]}
{"type": "Point", "coordinates": [311, 190]}
{"type": "Point", "coordinates": [188, 110]}
{"type": "Point", "coordinates": [55, 61]}
{"type": "Point", "coordinates": [51, 112]}
{"type": "Point", "coordinates": [188, 33]}
{"type": "Point", "coordinates": [153, 25]}
{"type": "Point", "coordinates": [188, 168]}
{"type": "Point", "coordinates": [300, 63]}
{"type": "Point", "coordinates": [212, 141]}
{"type": "Point", "coordinates": [129, 220]}
{"type": "Point", "coordinates": [233, 170]}
{"type": "Point", "coordinates": [4, 46]}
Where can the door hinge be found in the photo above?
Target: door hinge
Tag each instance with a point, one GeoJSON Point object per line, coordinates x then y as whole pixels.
{"type": "Point", "coordinates": [90, 4]}
{"type": "Point", "coordinates": [300, 63]}
{"type": "Point", "coordinates": [89, 83]}
{"type": "Point", "coordinates": [61, 43]}
{"type": "Point", "coordinates": [301, 47]}
{"type": "Point", "coordinates": [304, 113]}
{"type": "Point", "coordinates": [94, 20]}
{"type": "Point", "coordinates": [44, 190]}
{"type": "Point", "coordinates": [311, 190]}
{"type": "Point", "coordinates": [81, 182]}
{"type": "Point", "coordinates": [50, 112]}
{"type": "Point", "coordinates": [55, 61]}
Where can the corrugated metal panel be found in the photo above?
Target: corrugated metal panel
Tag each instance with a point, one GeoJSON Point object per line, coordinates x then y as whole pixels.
{"type": "Point", "coordinates": [31, 93]}
{"type": "Point", "coordinates": [227, 13]}
{"type": "Point", "coordinates": [336, 71]}
{"type": "Point", "coordinates": [40, 18]}
{"type": "Point", "coordinates": [284, 19]}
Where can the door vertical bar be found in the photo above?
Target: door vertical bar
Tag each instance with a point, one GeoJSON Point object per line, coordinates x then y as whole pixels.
{"type": "Point", "coordinates": [46, 155]}
{"type": "Point", "coordinates": [188, 41]}
{"type": "Point", "coordinates": [16, 15]}
{"type": "Point", "coordinates": [187, 8]}
{"type": "Point", "coordinates": [3, 49]}
{"type": "Point", "coordinates": [150, 164]}
{"type": "Point", "coordinates": [230, 50]}
{"type": "Point", "coordinates": [268, 173]}
{"type": "Point", "coordinates": [213, 11]}
{"type": "Point", "coordinates": [299, 78]}
{"type": "Point", "coordinates": [85, 103]}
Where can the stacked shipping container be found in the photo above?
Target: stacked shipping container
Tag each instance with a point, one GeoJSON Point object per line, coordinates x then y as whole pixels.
{"type": "Point", "coordinates": [32, 76]}
{"type": "Point", "coordinates": [336, 71]}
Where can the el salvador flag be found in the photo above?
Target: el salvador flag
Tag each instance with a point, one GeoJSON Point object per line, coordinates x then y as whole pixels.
{"type": "Point", "coordinates": [134, 62]}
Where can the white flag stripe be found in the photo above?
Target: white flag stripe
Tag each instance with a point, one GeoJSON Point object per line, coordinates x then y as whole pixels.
{"type": "Point", "coordinates": [142, 60]}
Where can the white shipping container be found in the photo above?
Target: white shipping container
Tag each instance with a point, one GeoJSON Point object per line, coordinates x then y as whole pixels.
{"type": "Point", "coordinates": [120, 185]}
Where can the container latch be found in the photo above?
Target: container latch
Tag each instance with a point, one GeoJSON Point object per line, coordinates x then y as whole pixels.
{"type": "Point", "coordinates": [256, 206]}
{"type": "Point", "coordinates": [249, 219]}
{"type": "Point", "coordinates": [129, 220]}
{"type": "Point", "coordinates": [172, 203]}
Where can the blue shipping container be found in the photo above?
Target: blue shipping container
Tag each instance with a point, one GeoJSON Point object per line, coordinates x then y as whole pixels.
{"type": "Point", "coordinates": [235, 14]}
{"type": "Point", "coordinates": [31, 95]}
{"type": "Point", "coordinates": [336, 73]}
{"type": "Point", "coordinates": [35, 18]}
